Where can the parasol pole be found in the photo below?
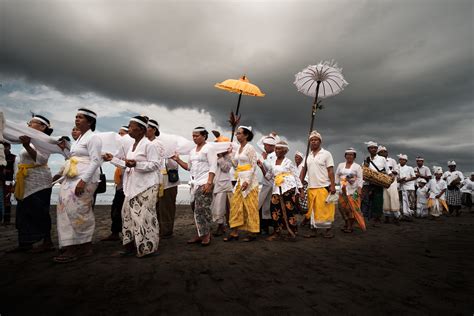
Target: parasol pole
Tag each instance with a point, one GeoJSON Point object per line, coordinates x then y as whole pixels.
{"type": "Point", "coordinates": [313, 114]}
{"type": "Point", "coordinates": [236, 114]}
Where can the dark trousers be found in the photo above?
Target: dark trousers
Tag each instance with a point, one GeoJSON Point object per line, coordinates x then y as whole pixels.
{"type": "Point", "coordinates": [116, 211]}
{"type": "Point", "coordinates": [372, 201]}
{"type": "Point", "coordinates": [33, 220]}
{"type": "Point", "coordinates": [166, 210]}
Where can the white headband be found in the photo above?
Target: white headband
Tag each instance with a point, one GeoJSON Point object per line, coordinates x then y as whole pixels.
{"type": "Point", "coordinates": [315, 134]}
{"type": "Point", "coordinates": [371, 144]}
{"type": "Point", "coordinates": [138, 121]}
{"type": "Point", "coordinates": [246, 127]}
{"type": "Point", "coordinates": [420, 158]}
{"type": "Point", "coordinates": [350, 151]}
{"type": "Point", "coordinates": [451, 163]}
{"type": "Point", "coordinates": [87, 113]}
{"type": "Point", "coordinates": [201, 129]}
{"type": "Point", "coordinates": [402, 156]}
{"type": "Point", "coordinates": [281, 145]}
{"type": "Point", "coordinates": [381, 148]}
{"type": "Point", "coordinates": [299, 154]}
{"type": "Point", "coordinates": [40, 119]}
{"type": "Point", "coordinates": [125, 128]}
{"type": "Point", "coordinates": [154, 125]}
{"type": "Point", "coordinates": [269, 140]}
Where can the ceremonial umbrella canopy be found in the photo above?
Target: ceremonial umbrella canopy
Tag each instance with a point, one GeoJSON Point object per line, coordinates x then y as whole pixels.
{"type": "Point", "coordinates": [320, 81]}
{"type": "Point", "coordinates": [241, 86]}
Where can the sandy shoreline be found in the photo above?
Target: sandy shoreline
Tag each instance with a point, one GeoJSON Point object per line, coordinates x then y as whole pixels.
{"type": "Point", "coordinates": [424, 267]}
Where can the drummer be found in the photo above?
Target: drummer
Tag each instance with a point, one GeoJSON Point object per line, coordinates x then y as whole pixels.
{"type": "Point", "coordinates": [372, 194]}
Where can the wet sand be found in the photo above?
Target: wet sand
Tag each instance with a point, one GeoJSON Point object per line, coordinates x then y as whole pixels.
{"type": "Point", "coordinates": [423, 267]}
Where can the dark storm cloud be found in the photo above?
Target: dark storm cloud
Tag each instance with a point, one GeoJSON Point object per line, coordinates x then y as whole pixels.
{"type": "Point", "coordinates": [409, 64]}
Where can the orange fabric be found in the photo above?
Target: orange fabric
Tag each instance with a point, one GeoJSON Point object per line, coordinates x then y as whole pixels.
{"type": "Point", "coordinates": [118, 175]}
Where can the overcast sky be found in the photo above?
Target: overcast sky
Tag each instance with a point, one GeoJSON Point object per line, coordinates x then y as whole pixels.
{"type": "Point", "coordinates": [409, 65]}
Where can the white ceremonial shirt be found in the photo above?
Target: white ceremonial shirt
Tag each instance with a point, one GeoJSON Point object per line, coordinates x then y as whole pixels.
{"type": "Point", "coordinates": [467, 186]}
{"type": "Point", "coordinates": [145, 174]}
{"type": "Point", "coordinates": [435, 187]}
{"type": "Point", "coordinates": [201, 163]}
{"type": "Point", "coordinates": [88, 148]}
{"type": "Point", "coordinates": [405, 173]}
{"type": "Point", "coordinates": [222, 179]}
{"type": "Point", "coordinates": [247, 156]}
{"type": "Point", "coordinates": [318, 165]}
{"type": "Point", "coordinates": [423, 171]}
{"type": "Point", "coordinates": [291, 181]}
{"type": "Point", "coordinates": [449, 176]}
{"type": "Point", "coordinates": [267, 165]}
{"type": "Point", "coordinates": [353, 175]}
{"type": "Point", "coordinates": [38, 178]}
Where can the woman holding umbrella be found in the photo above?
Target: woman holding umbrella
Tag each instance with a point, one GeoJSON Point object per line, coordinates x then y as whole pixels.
{"type": "Point", "coordinates": [286, 187]}
{"type": "Point", "coordinates": [349, 175]}
{"type": "Point", "coordinates": [244, 203]}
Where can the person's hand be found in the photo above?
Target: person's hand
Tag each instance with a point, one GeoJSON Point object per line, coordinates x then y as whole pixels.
{"type": "Point", "coordinates": [80, 188]}
{"type": "Point", "coordinates": [208, 188]}
{"type": "Point", "coordinates": [130, 163]}
{"type": "Point", "coordinates": [332, 188]}
{"type": "Point", "coordinates": [259, 163]}
{"type": "Point", "coordinates": [175, 157]}
{"type": "Point", "coordinates": [301, 192]}
{"type": "Point", "coordinates": [402, 180]}
{"type": "Point", "coordinates": [244, 186]}
{"type": "Point", "coordinates": [107, 157]}
{"type": "Point", "coordinates": [229, 150]}
{"type": "Point", "coordinates": [25, 140]}
{"type": "Point", "coordinates": [264, 155]}
{"type": "Point", "coordinates": [62, 144]}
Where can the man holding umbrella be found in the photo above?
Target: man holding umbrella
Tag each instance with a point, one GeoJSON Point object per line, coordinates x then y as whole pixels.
{"type": "Point", "coordinates": [321, 183]}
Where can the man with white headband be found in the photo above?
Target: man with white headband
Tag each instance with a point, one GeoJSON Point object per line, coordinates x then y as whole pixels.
{"type": "Point", "coordinates": [437, 197]}
{"type": "Point", "coordinates": [421, 171]}
{"type": "Point", "coordinates": [321, 183]}
{"type": "Point", "coordinates": [406, 178]}
{"type": "Point", "coordinates": [467, 192]}
{"type": "Point", "coordinates": [391, 200]}
{"type": "Point", "coordinates": [119, 197]}
{"type": "Point", "coordinates": [265, 195]}
{"type": "Point", "coordinates": [453, 179]}
{"type": "Point", "coordinates": [372, 194]}
{"type": "Point", "coordinates": [421, 199]}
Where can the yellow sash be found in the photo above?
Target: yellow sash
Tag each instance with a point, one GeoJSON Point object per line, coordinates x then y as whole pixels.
{"type": "Point", "coordinates": [20, 179]}
{"type": "Point", "coordinates": [280, 178]}
{"type": "Point", "coordinates": [431, 203]}
{"type": "Point", "coordinates": [241, 168]}
{"type": "Point", "coordinates": [70, 167]}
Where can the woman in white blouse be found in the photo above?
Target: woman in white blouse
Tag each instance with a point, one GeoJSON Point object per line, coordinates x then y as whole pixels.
{"type": "Point", "coordinates": [142, 164]}
{"type": "Point", "coordinates": [33, 192]}
{"type": "Point", "coordinates": [75, 217]}
{"type": "Point", "coordinates": [202, 166]}
{"type": "Point", "coordinates": [244, 203]}
{"type": "Point", "coordinates": [349, 176]}
{"type": "Point", "coordinates": [287, 186]}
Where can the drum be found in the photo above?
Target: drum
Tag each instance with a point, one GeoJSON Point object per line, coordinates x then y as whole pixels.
{"type": "Point", "coordinates": [377, 178]}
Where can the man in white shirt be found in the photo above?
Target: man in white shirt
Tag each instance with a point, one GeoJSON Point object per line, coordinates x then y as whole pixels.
{"type": "Point", "coordinates": [265, 195]}
{"type": "Point", "coordinates": [321, 183]}
{"type": "Point", "coordinates": [391, 200]}
{"type": "Point", "coordinates": [467, 191]}
{"type": "Point", "coordinates": [421, 171]}
{"type": "Point", "coordinates": [406, 178]}
{"type": "Point", "coordinates": [453, 179]}
{"type": "Point", "coordinates": [372, 194]}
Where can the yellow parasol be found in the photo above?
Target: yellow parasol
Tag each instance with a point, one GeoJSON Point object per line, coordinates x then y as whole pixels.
{"type": "Point", "coordinates": [241, 86]}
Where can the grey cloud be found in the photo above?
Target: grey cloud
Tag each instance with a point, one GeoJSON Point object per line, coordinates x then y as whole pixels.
{"type": "Point", "coordinates": [409, 63]}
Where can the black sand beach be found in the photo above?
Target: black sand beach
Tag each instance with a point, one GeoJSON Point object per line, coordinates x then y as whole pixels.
{"type": "Point", "coordinates": [423, 267]}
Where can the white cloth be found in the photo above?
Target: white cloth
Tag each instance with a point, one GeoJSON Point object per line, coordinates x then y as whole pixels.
{"type": "Point", "coordinates": [146, 172]}
{"type": "Point", "coordinates": [222, 179]}
{"type": "Point", "coordinates": [265, 194]}
{"type": "Point", "coordinates": [38, 178]}
{"type": "Point", "coordinates": [89, 147]}
{"type": "Point", "coordinates": [405, 173]}
{"type": "Point", "coordinates": [354, 172]}
{"type": "Point", "coordinates": [201, 163]}
{"type": "Point", "coordinates": [467, 186]}
{"type": "Point", "coordinates": [392, 165]}
{"type": "Point", "coordinates": [422, 201]}
{"type": "Point", "coordinates": [449, 176]}
{"type": "Point", "coordinates": [423, 171]}
{"type": "Point", "coordinates": [318, 176]}
{"type": "Point", "coordinates": [291, 181]}
{"type": "Point", "coordinates": [248, 155]}
{"type": "Point", "coordinates": [435, 187]}
{"type": "Point", "coordinates": [161, 155]}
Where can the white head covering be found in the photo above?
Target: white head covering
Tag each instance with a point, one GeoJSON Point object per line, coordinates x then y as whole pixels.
{"type": "Point", "coordinates": [437, 170]}
{"type": "Point", "coordinates": [315, 134]}
{"type": "Point", "coordinates": [371, 144]}
{"type": "Point", "coordinates": [419, 158]}
{"type": "Point", "coordinates": [200, 129]}
{"type": "Point", "coordinates": [350, 151]}
{"type": "Point", "coordinates": [246, 127]}
{"type": "Point", "coordinates": [282, 144]}
{"type": "Point", "coordinates": [269, 140]}
{"type": "Point", "coordinates": [299, 154]}
{"type": "Point", "coordinates": [381, 148]}
{"type": "Point", "coordinates": [451, 163]}
{"type": "Point", "coordinates": [125, 128]}
{"type": "Point", "coordinates": [402, 156]}
{"type": "Point", "coordinates": [421, 180]}
{"type": "Point", "coordinates": [139, 121]}
{"type": "Point", "coordinates": [87, 112]}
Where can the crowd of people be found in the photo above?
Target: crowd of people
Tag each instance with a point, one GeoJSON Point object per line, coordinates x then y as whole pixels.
{"type": "Point", "coordinates": [225, 189]}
